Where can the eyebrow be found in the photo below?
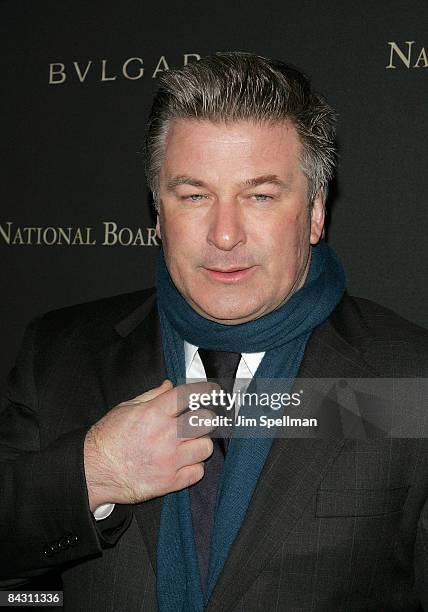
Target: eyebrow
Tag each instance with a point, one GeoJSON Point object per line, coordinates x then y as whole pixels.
{"type": "Point", "coordinates": [271, 179]}
{"type": "Point", "coordinates": [183, 180]}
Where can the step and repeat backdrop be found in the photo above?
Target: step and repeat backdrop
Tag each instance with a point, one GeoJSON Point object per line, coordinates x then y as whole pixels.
{"type": "Point", "coordinates": [76, 221]}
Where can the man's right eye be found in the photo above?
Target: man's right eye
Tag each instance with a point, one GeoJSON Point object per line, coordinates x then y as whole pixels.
{"type": "Point", "coordinates": [194, 197]}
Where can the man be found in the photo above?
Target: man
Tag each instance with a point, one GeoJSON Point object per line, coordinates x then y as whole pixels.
{"type": "Point", "coordinates": [98, 488]}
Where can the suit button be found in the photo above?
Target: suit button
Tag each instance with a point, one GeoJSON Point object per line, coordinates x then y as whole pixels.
{"type": "Point", "coordinates": [63, 543]}
{"type": "Point", "coordinates": [72, 539]}
{"type": "Point", "coordinates": [55, 547]}
{"type": "Point", "coordinates": [48, 552]}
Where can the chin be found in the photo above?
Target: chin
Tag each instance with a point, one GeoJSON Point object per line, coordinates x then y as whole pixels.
{"type": "Point", "coordinates": [227, 315]}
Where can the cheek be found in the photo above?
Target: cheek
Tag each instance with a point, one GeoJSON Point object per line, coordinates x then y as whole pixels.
{"type": "Point", "coordinates": [288, 244]}
{"type": "Point", "coordinates": [182, 248]}
{"type": "Point", "coordinates": [289, 232]}
{"type": "Point", "coordinates": [171, 231]}
{"type": "Point", "coordinates": [297, 229]}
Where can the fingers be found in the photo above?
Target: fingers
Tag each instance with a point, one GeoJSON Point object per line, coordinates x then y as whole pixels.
{"type": "Point", "coordinates": [190, 394]}
{"type": "Point", "coordinates": [152, 393]}
{"type": "Point", "coordinates": [195, 424]}
{"type": "Point", "coordinates": [188, 476]}
{"type": "Point", "coordinates": [196, 451]}
{"type": "Point", "coordinates": [175, 400]}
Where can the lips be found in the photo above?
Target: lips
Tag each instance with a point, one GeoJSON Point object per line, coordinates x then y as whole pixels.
{"type": "Point", "coordinates": [232, 275]}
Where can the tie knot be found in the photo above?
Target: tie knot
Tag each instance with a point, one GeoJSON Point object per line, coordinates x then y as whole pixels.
{"type": "Point", "coordinates": [220, 366]}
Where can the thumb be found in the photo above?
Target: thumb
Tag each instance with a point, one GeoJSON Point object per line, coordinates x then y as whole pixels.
{"type": "Point", "coordinates": [152, 393]}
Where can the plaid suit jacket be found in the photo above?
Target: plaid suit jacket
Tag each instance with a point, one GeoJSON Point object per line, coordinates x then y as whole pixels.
{"type": "Point", "coordinates": [334, 524]}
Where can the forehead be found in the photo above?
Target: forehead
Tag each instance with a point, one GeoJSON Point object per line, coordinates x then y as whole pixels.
{"type": "Point", "coordinates": [233, 147]}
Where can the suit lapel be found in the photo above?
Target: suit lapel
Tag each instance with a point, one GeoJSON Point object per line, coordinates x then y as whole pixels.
{"type": "Point", "coordinates": [130, 365]}
{"type": "Point", "coordinates": [289, 479]}
{"type": "Point", "coordinates": [133, 362]}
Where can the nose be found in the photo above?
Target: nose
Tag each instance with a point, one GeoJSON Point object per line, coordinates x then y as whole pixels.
{"type": "Point", "coordinates": [226, 227]}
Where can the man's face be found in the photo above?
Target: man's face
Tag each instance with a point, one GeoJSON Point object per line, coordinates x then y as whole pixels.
{"type": "Point", "coordinates": [234, 219]}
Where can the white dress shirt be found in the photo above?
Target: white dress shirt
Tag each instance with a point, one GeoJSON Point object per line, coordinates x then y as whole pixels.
{"type": "Point", "coordinates": [195, 371]}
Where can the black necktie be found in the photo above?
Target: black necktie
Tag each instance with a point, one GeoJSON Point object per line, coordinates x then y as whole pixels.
{"type": "Point", "coordinates": [220, 367]}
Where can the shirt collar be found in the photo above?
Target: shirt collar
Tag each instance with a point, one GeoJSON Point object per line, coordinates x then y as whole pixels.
{"type": "Point", "coordinates": [252, 360]}
{"type": "Point", "coordinates": [190, 351]}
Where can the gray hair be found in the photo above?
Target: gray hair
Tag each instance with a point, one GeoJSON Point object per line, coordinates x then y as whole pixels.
{"type": "Point", "coordinates": [229, 87]}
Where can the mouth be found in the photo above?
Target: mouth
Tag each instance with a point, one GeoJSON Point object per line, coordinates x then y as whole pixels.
{"type": "Point", "coordinates": [232, 275]}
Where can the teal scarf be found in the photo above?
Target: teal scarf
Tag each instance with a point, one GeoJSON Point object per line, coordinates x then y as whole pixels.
{"type": "Point", "coordinates": [282, 334]}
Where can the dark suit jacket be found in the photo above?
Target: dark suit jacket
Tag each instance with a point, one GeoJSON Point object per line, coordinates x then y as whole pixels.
{"type": "Point", "coordinates": [334, 525]}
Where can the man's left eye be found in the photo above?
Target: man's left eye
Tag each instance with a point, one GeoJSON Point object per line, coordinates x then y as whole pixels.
{"type": "Point", "coordinates": [261, 197]}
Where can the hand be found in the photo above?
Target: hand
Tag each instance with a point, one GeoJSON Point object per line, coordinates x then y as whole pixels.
{"type": "Point", "coordinates": [133, 453]}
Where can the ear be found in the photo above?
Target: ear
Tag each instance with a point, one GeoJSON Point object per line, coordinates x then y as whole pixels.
{"type": "Point", "coordinates": [158, 229]}
{"type": "Point", "coordinates": [317, 218]}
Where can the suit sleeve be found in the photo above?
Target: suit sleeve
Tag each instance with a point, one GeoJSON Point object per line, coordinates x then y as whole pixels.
{"type": "Point", "coordinates": [45, 519]}
{"type": "Point", "coordinates": [421, 558]}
